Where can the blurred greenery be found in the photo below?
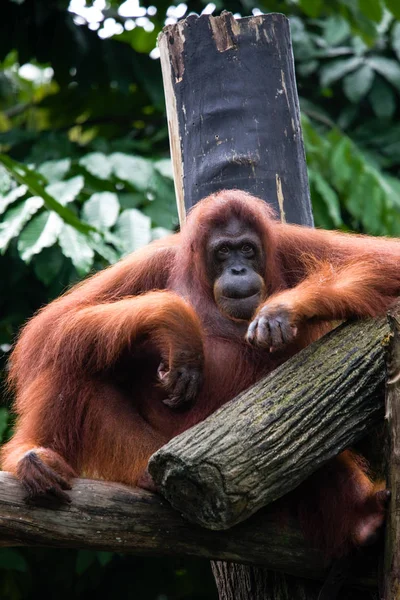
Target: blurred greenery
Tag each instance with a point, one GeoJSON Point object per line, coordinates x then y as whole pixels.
{"type": "Point", "coordinates": [85, 177]}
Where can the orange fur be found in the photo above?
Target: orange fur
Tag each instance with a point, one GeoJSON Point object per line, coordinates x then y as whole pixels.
{"type": "Point", "coordinates": [84, 369]}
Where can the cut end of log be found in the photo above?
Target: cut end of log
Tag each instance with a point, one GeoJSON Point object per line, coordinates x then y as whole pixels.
{"type": "Point", "coordinates": [186, 492]}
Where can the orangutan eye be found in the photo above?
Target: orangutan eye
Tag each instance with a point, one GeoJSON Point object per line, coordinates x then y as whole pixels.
{"type": "Point", "coordinates": [223, 251]}
{"type": "Point", "coordinates": [247, 249]}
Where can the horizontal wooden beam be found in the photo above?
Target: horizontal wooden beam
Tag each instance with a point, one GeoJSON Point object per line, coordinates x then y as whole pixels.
{"type": "Point", "coordinates": [117, 518]}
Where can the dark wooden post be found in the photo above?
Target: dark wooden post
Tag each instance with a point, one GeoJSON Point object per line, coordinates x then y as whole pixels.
{"type": "Point", "coordinates": [233, 112]}
{"type": "Point", "coordinates": [234, 122]}
{"type": "Point", "coordinates": [391, 580]}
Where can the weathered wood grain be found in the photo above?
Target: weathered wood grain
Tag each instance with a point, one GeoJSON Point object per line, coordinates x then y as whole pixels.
{"type": "Point", "coordinates": [264, 443]}
{"type": "Point", "coordinates": [118, 518]}
{"type": "Point", "coordinates": [391, 579]}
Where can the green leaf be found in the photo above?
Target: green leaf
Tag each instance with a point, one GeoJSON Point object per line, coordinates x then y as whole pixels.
{"type": "Point", "coordinates": [11, 197]}
{"type": "Point", "coordinates": [76, 247]}
{"type": "Point", "coordinates": [133, 169]}
{"type": "Point", "coordinates": [103, 249]}
{"type": "Point", "coordinates": [97, 164]}
{"type": "Point", "coordinates": [12, 560]}
{"type": "Point", "coordinates": [16, 218]}
{"type": "Point", "coordinates": [42, 232]}
{"type": "Point", "coordinates": [356, 85]}
{"type": "Point", "coordinates": [23, 175]}
{"type": "Point", "coordinates": [104, 557]}
{"type": "Point", "coordinates": [396, 37]}
{"type": "Point", "coordinates": [133, 228]}
{"type": "Point", "coordinates": [101, 210]}
{"type": "Point", "coordinates": [336, 30]}
{"type": "Point", "coordinates": [330, 198]}
{"type": "Point", "coordinates": [341, 163]}
{"type": "Point", "coordinates": [337, 69]}
{"type": "Point", "coordinates": [55, 170]}
{"type": "Point", "coordinates": [164, 166]}
{"type": "Point", "coordinates": [66, 191]}
{"type": "Point", "coordinates": [394, 7]}
{"type": "Point", "coordinates": [388, 68]}
{"type": "Point", "coordinates": [372, 9]}
{"type": "Point", "coordinates": [5, 179]}
{"type": "Point", "coordinates": [84, 560]}
{"type": "Point", "coordinates": [3, 422]}
{"type": "Point", "coordinates": [383, 100]}
{"type": "Point", "coordinates": [312, 8]}
{"type": "Point", "coordinates": [48, 264]}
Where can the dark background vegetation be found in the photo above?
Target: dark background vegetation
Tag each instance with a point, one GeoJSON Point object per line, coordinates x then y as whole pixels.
{"type": "Point", "coordinates": [83, 141]}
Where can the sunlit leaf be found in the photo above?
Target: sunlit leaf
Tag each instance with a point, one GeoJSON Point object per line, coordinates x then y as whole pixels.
{"type": "Point", "coordinates": [76, 247]}
{"type": "Point", "coordinates": [16, 218]}
{"type": "Point", "coordinates": [41, 232]}
{"type": "Point", "coordinates": [55, 170]}
{"type": "Point", "coordinates": [135, 170]}
{"type": "Point", "coordinates": [134, 229]}
{"type": "Point", "coordinates": [101, 210]}
{"type": "Point", "coordinates": [396, 36]}
{"type": "Point", "coordinates": [34, 184]}
{"type": "Point", "coordinates": [97, 164]}
{"type": "Point", "coordinates": [11, 197]}
{"type": "Point", "coordinates": [66, 191]}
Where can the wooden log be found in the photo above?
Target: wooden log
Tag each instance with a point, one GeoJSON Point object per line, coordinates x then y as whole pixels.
{"type": "Point", "coordinates": [265, 442]}
{"type": "Point", "coordinates": [233, 112]}
{"type": "Point", "coordinates": [391, 577]}
{"type": "Point", "coordinates": [118, 518]}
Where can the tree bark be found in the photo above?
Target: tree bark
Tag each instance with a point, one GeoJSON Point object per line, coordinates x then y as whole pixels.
{"type": "Point", "coordinates": [391, 580]}
{"type": "Point", "coordinates": [118, 518]}
{"type": "Point", "coordinates": [264, 443]}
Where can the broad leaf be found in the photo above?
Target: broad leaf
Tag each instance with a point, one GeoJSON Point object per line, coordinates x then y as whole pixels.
{"type": "Point", "coordinates": [11, 197]}
{"type": "Point", "coordinates": [388, 68]}
{"type": "Point", "coordinates": [101, 210]}
{"type": "Point", "coordinates": [396, 37]}
{"type": "Point", "coordinates": [97, 164]}
{"type": "Point", "coordinates": [133, 228]}
{"type": "Point", "coordinates": [66, 191]}
{"type": "Point", "coordinates": [76, 247]}
{"type": "Point", "coordinates": [48, 264]}
{"type": "Point", "coordinates": [25, 176]}
{"type": "Point", "coordinates": [329, 196]}
{"type": "Point", "coordinates": [135, 170]}
{"type": "Point", "coordinates": [16, 218]}
{"type": "Point", "coordinates": [337, 69]}
{"type": "Point", "coordinates": [42, 232]}
{"type": "Point", "coordinates": [372, 9]}
{"type": "Point", "coordinates": [356, 85]}
{"type": "Point", "coordinates": [394, 7]}
{"type": "Point", "coordinates": [55, 170]}
{"type": "Point", "coordinates": [96, 242]}
{"type": "Point", "coordinates": [383, 100]}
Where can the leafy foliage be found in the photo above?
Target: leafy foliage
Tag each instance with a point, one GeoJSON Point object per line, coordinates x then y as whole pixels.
{"type": "Point", "coordinates": [85, 178]}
